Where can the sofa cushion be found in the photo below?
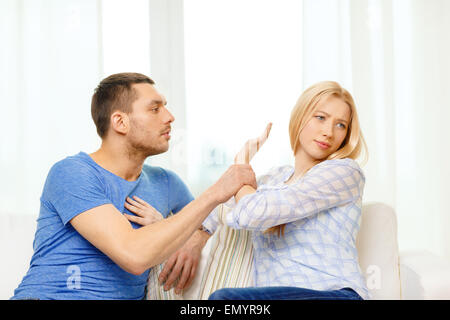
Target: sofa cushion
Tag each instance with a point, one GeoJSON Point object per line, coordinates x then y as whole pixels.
{"type": "Point", "coordinates": [16, 245]}
{"type": "Point", "coordinates": [227, 258]}
{"type": "Point", "coordinates": [378, 251]}
{"type": "Point", "coordinates": [226, 262]}
{"type": "Point", "coordinates": [230, 259]}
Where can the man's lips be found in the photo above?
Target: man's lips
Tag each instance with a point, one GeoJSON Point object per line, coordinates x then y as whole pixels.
{"type": "Point", "coordinates": [322, 145]}
{"type": "Point", "coordinates": [166, 133]}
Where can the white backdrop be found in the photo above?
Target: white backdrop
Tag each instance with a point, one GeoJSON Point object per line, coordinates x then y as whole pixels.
{"type": "Point", "coordinates": [226, 68]}
{"type": "Point", "coordinates": [50, 57]}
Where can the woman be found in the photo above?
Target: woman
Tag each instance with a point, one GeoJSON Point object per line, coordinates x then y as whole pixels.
{"type": "Point", "coordinates": [305, 219]}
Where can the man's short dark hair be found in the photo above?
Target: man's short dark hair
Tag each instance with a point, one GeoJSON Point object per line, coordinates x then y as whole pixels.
{"type": "Point", "coordinates": [114, 93]}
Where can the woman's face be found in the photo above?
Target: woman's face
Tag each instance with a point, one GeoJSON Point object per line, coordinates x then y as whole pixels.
{"type": "Point", "coordinates": [325, 131]}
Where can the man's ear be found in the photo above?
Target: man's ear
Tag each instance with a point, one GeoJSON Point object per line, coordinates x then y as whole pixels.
{"type": "Point", "coordinates": [120, 122]}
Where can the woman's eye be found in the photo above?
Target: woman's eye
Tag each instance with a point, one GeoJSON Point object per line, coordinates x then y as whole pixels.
{"type": "Point", "coordinates": [320, 117]}
{"type": "Point", "coordinates": [341, 125]}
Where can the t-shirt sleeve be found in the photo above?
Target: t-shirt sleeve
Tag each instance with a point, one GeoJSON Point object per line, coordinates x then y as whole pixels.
{"type": "Point", "coordinates": [179, 194]}
{"type": "Point", "coordinates": [73, 188]}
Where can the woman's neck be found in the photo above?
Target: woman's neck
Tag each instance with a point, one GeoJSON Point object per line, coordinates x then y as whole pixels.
{"type": "Point", "coordinates": [303, 163]}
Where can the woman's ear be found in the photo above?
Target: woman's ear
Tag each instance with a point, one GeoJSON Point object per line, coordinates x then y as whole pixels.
{"type": "Point", "coordinates": [120, 122]}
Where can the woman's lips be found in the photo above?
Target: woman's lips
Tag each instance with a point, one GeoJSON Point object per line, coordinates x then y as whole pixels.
{"type": "Point", "coordinates": [322, 145]}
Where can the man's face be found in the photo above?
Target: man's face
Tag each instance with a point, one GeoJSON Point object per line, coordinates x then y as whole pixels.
{"type": "Point", "coordinates": [150, 121]}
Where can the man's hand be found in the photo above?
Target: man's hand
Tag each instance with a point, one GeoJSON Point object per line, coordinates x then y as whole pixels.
{"type": "Point", "coordinates": [182, 265]}
{"type": "Point", "coordinates": [232, 180]}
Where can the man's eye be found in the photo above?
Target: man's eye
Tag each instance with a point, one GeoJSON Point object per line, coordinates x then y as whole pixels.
{"type": "Point", "coordinates": [155, 109]}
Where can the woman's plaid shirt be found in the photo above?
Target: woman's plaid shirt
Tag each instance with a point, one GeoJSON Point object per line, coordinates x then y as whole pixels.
{"type": "Point", "coordinates": [322, 213]}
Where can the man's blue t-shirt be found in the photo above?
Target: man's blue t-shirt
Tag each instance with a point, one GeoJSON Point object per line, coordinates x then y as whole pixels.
{"type": "Point", "coordinates": [64, 264]}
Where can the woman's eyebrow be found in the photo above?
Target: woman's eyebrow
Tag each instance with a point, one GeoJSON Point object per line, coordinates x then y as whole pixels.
{"type": "Point", "coordinates": [328, 115]}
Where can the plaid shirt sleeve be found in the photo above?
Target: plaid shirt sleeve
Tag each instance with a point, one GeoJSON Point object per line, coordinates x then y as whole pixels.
{"type": "Point", "coordinates": [212, 221]}
{"type": "Point", "coordinates": [329, 184]}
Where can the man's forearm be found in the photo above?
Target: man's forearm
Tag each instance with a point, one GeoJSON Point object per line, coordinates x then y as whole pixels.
{"type": "Point", "coordinates": [136, 250]}
{"type": "Point", "coordinates": [159, 240]}
{"type": "Point", "coordinates": [154, 243]}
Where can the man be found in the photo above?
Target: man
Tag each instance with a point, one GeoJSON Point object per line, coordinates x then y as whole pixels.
{"type": "Point", "coordinates": [84, 247]}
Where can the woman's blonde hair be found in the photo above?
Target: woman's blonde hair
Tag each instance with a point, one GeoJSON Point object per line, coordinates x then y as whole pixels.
{"type": "Point", "coordinates": [353, 144]}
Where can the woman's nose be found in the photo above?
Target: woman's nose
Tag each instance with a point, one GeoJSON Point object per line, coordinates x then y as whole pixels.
{"type": "Point", "coordinates": [327, 129]}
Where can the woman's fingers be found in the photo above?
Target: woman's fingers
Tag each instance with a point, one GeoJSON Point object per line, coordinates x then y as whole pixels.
{"type": "Point", "coordinates": [134, 209]}
{"type": "Point", "coordinates": [263, 137]}
{"type": "Point", "coordinates": [252, 146]}
{"type": "Point", "coordinates": [146, 212]}
{"type": "Point", "coordinates": [141, 202]}
{"type": "Point", "coordinates": [265, 134]}
{"type": "Point", "coordinates": [138, 203]}
{"type": "Point", "coordinates": [135, 219]}
{"type": "Point", "coordinates": [135, 203]}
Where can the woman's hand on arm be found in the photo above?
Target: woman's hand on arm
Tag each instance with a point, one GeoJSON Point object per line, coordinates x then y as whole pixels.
{"type": "Point", "coordinates": [136, 250]}
{"type": "Point", "coordinates": [145, 213]}
{"type": "Point", "coordinates": [180, 269]}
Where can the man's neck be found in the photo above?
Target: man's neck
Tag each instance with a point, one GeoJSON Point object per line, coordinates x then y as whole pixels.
{"type": "Point", "coordinates": [119, 161]}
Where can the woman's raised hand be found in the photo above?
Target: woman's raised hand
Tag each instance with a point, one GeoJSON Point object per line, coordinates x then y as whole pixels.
{"type": "Point", "coordinates": [251, 147]}
{"type": "Point", "coordinates": [146, 214]}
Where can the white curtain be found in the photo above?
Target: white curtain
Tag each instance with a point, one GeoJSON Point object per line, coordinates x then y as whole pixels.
{"type": "Point", "coordinates": [400, 66]}
{"type": "Point", "coordinates": [248, 61]}
{"type": "Point", "coordinates": [49, 65]}
{"type": "Point", "coordinates": [53, 54]}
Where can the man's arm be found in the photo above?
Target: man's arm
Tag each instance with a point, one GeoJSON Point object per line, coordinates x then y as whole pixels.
{"type": "Point", "coordinates": [185, 257]}
{"type": "Point", "coordinates": [181, 267]}
{"type": "Point", "coordinates": [136, 250]}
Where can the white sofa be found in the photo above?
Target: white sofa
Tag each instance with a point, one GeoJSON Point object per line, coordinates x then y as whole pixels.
{"type": "Point", "coordinates": [389, 275]}
{"type": "Point", "coordinates": [394, 275]}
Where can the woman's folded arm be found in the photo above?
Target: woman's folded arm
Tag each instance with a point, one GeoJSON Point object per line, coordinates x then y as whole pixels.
{"type": "Point", "coordinates": [330, 184]}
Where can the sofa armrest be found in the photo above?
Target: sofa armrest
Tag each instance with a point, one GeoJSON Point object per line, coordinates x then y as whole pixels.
{"type": "Point", "coordinates": [424, 276]}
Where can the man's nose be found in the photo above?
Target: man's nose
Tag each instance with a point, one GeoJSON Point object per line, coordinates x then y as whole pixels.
{"type": "Point", "coordinates": [168, 117]}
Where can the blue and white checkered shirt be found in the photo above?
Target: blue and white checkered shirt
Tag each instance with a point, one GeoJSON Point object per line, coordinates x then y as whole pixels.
{"type": "Point", "coordinates": [322, 213]}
